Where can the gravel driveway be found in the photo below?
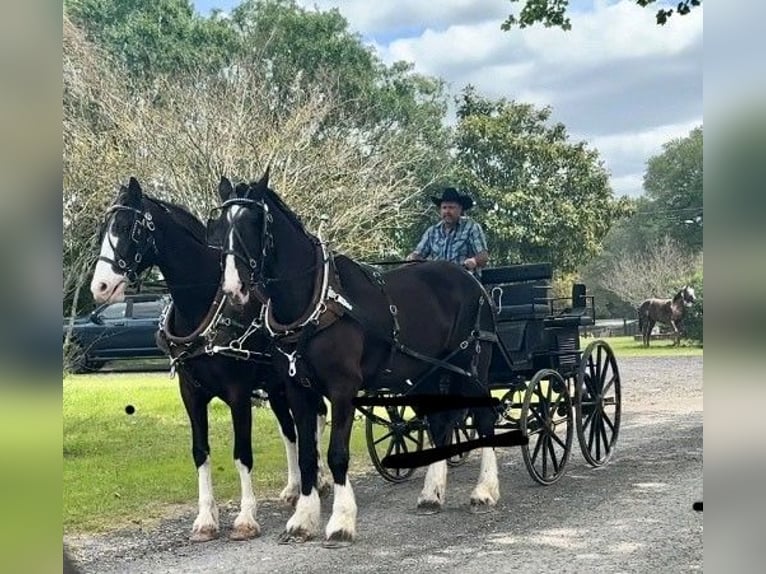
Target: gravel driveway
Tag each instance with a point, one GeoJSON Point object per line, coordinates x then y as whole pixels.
{"type": "Point", "coordinates": [634, 515]}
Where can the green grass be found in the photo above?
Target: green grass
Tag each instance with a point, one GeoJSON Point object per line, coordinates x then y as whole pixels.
{"type": "Point", "coordinates": [628, 347]}
{"type": "Point", "coordinates": [119, 468]}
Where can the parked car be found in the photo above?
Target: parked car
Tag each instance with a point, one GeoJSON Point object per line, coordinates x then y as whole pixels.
{"type": "Point", "coordinates": [124, 330]}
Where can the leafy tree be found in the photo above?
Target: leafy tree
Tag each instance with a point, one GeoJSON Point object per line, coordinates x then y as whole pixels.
{"type": "Point", "coordinates": [553, 13]}
{"type": "Point", "coordinates": [673, 184]}
{"type": "Point", "coordinates": [153, 37]}
{"type": "Point", "coordinates": [541, 197]}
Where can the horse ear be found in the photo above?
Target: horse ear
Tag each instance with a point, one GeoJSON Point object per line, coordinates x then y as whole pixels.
{"type": "Point", "coordinates": [133, 193]}
{"type": "Point", "coordinates": [225, 190]}
{"type": "Point", "coordinates": [263, 183]}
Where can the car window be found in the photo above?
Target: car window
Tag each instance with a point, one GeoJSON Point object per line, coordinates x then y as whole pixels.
{"type": "Point", "coordinates": [114, 311]}
{"type": "Point", "coordinates": [147, 309]}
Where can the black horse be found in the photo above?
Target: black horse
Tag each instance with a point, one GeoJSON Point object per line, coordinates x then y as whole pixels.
{"type": "Point", "coordinates": [139, 232]}
{"type": "Point", "coordinates": [341, 328]}
{"type": "Point", "coordinates": [667, 311]}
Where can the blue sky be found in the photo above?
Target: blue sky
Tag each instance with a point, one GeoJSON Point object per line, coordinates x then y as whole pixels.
{"type": "Point", "coordinates": [616, 80]}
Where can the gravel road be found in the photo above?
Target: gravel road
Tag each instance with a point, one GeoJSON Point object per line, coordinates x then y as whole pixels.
{"type": "Point", "coordinates": [634, 515]}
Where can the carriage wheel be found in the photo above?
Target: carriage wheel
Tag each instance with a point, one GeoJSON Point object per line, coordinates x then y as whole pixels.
{"type": "Point", "coordinates": [462, 433]}
{"type": "Point", "coordinates": [393, 430]}
{"type": "Point", "coordinates": [597, 403]}
{"type": "Point", "coordinates": [546, 418]}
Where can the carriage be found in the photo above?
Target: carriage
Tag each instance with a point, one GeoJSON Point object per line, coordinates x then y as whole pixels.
{"type": "Point", "coordinates": [548, 386]}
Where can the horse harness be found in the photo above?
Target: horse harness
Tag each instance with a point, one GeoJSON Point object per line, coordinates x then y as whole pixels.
{"type": "Point", "coordinates": [329, 304]}
{"type": "Point", "coordinates": [215, 326]}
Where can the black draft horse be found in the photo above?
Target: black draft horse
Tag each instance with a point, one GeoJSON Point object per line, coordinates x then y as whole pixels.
{"type": "Point", "coordinates": [140, 231]}
{"type": "Point", "coordinates": [341, 328]}
{"type": "Point", "coordinates": [666, 311]}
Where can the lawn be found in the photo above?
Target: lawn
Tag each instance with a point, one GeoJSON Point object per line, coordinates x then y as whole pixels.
{"type": "Point", "coordinates": [118, 467]}
{"type": "Point", "coordinates": [628, 347]}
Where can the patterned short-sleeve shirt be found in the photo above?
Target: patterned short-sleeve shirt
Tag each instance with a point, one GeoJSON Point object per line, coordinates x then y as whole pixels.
{"type": "Point", "coordinates": [465, 240]}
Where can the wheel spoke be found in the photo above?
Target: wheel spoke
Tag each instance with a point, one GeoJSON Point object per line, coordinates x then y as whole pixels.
{"type": "Point", "coordinates": [608, 421]}
{"type": "Point", "coordinates": [545, 455]}
{"type": "Point", "coordinates": [608, 385]}
{"type": "Point", "coordinates": [390, 447]}
{"type": "Point", "coordinates": [553, 456]}
{"type": "Point", "coordinates": [384, 437]}
{"type": "Point", "coordinates": [558, 440]}
{"type": "Point", "coordinates": [592, 432]}
{"type": "Point", "coordinates": [539, 442]}
{"type": "Point", "coordinates": [597, 426]}
{"type": "Point", "coordinates": [606, 441]}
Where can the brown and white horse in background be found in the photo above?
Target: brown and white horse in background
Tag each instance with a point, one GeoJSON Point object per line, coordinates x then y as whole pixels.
{"type": "Point", "coordinates": [667, 311]}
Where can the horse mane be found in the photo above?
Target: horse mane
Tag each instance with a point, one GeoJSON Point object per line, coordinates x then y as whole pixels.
{"type": "Point", "coordinates": [183, 217]}
{"type": "Point", "coordinates": [289, 213]}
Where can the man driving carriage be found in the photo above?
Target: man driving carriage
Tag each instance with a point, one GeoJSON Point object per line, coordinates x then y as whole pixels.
{"type": "Point", "coordinates": [457, 237]}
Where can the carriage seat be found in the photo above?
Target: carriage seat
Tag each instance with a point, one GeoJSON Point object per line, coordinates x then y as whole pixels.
{"type": "Point", "coordinates": [519, 301]}
{"type": "Point", "coordinates": [517, 273]}
{"type": "Point", "coordinates": [521, 312]}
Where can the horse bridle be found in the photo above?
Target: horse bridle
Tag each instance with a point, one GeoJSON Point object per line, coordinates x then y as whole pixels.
{"type": "Point", "coordinates": [140, 234]}
{"type": "Point", "coordinates": [258, 279]}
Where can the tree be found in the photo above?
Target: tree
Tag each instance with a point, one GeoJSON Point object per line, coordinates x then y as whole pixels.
{"type": "Point", "coordinates": [154, 37]}
{"type": "Point", "coordinates": [659, 271]}
{"type": "Point", "coordinates": [553, 13]}
{"type": "Point", "coordinates": [673, 183]}
{"type": "Point", "coordinates": [540, 196]}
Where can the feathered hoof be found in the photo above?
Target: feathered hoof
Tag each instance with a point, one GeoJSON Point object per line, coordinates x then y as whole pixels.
{"type": "Point", "coordinates": [479, 506]}
{"type": "Point", "coordinates": [427, 507]}
{"type": "Point", "coordinates": [339, 539]}
{"type": "Point", "coordinates": [204, 534]}
{"type": "Point", "coordinates": [297, 537]}
{"type": "Point", "coordinates": [245, 532]}
{"type": "Point", "coordinates": [290, 499]}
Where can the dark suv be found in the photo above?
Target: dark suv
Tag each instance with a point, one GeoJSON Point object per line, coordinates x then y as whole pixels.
{"type": "Point", "coordinates": [124, 330]}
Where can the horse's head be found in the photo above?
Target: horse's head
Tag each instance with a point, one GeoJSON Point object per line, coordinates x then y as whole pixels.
{"type": "Point", "coordinates": [127, 244]}
{"type": "Point", "coordinates": [687, 294]}
{"type": "Point", "coordinates": [239, 227]}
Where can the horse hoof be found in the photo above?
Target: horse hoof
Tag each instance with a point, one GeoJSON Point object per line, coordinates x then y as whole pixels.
{"type": "Point", "coordinates": [204, 534]}
{"type": "Point", "coordinates": [480, 507]}
{"type": "Point", "coordinates": [297, 537]}
{"type": "Point", "coordinates": [428, 507]}
{"type": "Point", "coordinates": [245, 532]}
{"type": "Point", "coordinates": [339, 539]}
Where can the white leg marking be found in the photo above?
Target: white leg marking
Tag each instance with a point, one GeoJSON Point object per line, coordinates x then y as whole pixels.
{"type": "Point", "coordinates": [292, 490]}
{"type": "Point", "coordinates": [245, 525]}
{"type": "Point", "coordinates": [305, 519]}
{"type": "Point", "coordinates": [342, 523]}
{"type": "Point", "coordinates": [487, 491]}
{"type": "Point", "coordinates": [435, 485]}
{"type": "Point", "coordinates": [106, 284]}
{"type": "Point", "coordinates": [324, 477]}
{"type": "Point", "coordinates": [205, 526]}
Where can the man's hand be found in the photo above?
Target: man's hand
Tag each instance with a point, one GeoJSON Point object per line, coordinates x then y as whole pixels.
{"type": "Point", "coordinates": [470, 264]}
{"type": "Point", "coordinates": [414, 256]}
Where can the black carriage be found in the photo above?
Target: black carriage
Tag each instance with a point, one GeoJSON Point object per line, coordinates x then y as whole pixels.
{"type": "Point", "coordinates": [548, 386]}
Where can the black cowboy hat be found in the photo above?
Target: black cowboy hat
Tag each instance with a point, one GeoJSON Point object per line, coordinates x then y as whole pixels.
{"type": "Point", "coordinates": [452, 194]}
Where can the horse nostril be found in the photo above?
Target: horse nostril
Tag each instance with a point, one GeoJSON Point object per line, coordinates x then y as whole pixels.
{"type": "Point", "coordinates": [102, 287]}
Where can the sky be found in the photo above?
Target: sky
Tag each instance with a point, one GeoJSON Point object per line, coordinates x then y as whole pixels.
{"type": "Point", "coordinates": [615, 80]}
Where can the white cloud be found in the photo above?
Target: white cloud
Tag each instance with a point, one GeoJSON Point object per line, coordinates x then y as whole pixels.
{"type": "Point", "coordinates": [616, 79]}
